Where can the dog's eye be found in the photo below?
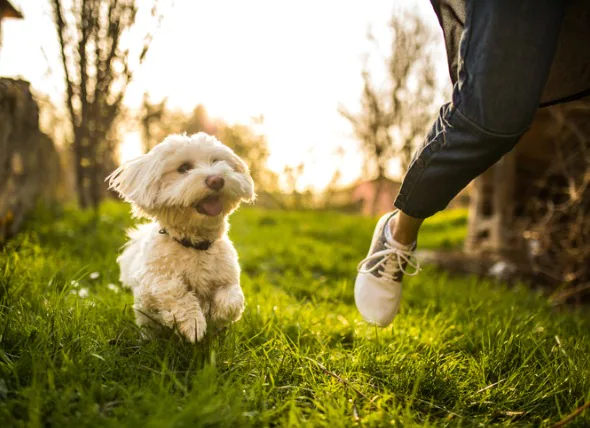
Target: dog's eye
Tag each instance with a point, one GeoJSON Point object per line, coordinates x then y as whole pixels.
{"type": "Point", "coordinates": [214, 161]}
{"type": "Point", "coordinates": [184, 168]}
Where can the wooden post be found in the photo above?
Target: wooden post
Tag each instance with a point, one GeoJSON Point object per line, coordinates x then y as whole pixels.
{"type": "Point", "coordinates": [491, 209]}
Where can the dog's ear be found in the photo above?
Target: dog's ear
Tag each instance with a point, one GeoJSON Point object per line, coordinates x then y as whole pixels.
{"type": "Point", "coordinates": [238, 164]}
{"type": "Point", "coordinates": [249, 194]}
{"type": "Point", "coordinates": [137, 180]}
{"type": "Point", "coordinates": [247, 183]}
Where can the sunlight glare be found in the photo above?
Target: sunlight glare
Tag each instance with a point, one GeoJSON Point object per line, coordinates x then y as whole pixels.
{"type": "Point", "coordinates": [131, 147]}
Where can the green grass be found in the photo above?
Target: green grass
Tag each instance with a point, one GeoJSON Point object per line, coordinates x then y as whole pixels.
{"type": "Point", "coordinates": [462, 351]}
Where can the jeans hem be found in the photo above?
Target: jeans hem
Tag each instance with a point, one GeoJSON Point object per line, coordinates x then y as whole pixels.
{"type": "Point", "coordinates": [415, 214]}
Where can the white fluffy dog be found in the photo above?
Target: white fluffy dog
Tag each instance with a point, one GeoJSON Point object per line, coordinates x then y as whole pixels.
{"type": "Point", "coordinates": [182, 267]}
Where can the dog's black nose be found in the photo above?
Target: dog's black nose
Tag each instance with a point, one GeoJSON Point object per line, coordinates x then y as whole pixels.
{"type": "Point", "coordinates": [215, 182]}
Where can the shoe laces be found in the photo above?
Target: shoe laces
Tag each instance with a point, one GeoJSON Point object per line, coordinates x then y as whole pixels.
{"type": "Point", "coordinates": [393, 260]}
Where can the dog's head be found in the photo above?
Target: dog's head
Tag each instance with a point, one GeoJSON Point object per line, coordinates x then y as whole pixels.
{"type": "Point", "coordinates": [185, 179]}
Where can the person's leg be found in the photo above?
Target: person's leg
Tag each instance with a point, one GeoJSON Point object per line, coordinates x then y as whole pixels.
{"type": "Point", "coordinates": [505, 55]}
{"type": "Point", "coordinates": [506, 52]}
{"type": "Point", "coordinates": [406, 228]}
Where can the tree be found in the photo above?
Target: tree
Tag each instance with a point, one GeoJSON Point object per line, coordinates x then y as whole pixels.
{"type": "Point", "coordinates": [393, 119]}
{"type": "Point", "coordinates": [98, 66]}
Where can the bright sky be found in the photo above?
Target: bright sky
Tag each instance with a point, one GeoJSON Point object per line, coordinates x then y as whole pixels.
{"type": "Point", "coordinates": [292, 62]}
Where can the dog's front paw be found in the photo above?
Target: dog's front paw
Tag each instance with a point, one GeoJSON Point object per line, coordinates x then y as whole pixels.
{"type": "Point", "coordinates": [227, 305]}
{"type": "Point", "coordinates": [193, 328]}
{"type": "Point", "coordinates": [190, 322]}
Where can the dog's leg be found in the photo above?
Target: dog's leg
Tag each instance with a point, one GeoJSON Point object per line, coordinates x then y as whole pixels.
{"type": "Point", "coordinates": [146, 321]}
{"type": "Point", "coordinates": [172, 304]}
{"type": "Point", "coordinates": [227, 305]}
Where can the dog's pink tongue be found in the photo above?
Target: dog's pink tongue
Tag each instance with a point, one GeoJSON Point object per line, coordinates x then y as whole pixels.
{"type": "Point", "coordinates": [210, 206]}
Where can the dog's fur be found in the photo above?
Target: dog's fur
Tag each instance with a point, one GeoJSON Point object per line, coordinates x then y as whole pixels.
{"type": "Point", "coordinates": [173, 284]}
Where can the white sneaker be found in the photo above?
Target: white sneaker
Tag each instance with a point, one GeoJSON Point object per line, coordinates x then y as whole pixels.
{"type": "Point", "coordinates": [378, 286]}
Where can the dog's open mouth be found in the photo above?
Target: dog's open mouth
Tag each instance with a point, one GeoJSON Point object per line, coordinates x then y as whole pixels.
{"type": "Point", "coordinates": [211, 205]}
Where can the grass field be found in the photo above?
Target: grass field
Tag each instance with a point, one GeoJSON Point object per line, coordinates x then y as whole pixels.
{"type": "Point", "coordinates": [462, 351]}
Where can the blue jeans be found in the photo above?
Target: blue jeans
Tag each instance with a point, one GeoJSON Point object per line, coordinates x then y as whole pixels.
{"type": "Point", "coordinates": [506, 51]}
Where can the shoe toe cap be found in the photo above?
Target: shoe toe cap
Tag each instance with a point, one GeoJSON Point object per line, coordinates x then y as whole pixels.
{"type": "Point", "coordinates": [378, 302]}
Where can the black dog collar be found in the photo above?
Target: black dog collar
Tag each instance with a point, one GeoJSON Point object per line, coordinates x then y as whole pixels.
{"type": "Point", "coordinates": [187, 243]}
